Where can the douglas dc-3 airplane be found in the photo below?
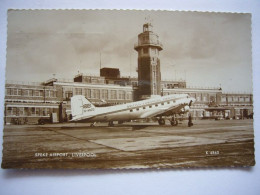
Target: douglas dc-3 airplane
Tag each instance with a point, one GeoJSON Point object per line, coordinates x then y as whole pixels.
{"type": "Point", "coordinates": [83, 111]}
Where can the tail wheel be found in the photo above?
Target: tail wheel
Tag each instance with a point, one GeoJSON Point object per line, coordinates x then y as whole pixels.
{"type": "Point", "coordinates": [161, 121]}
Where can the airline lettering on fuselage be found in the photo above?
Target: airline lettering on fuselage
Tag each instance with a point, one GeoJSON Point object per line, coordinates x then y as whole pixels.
{"type": "Point", "coordinates": [86, 106]}
{"type": "Point", "coordinates": [89, 110]}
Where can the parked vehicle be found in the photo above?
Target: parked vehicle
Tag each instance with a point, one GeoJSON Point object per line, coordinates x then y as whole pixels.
{"type": "Point", "coordinates": [43, 121]}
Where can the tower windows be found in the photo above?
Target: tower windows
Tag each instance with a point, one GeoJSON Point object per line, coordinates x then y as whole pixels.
{"type": "Point", "coordinates": [148, 48]}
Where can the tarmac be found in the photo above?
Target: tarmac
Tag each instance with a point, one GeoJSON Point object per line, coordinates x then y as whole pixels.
{"type": "Point", "coordinates": [209, 143]}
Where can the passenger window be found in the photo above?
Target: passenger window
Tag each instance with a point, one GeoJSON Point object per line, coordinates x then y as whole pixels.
{"type": "Point", "coordinates": [168, 102]}
{"type": "Point", "coordinates": [137, 109]}
{"type": "Point", "coordinates": [150, 106]}
{"type": "Point", "coordinates": [131, 110]}
{"type": "Point", "coordinates": [156, 105]}
{"type": "Point", "coordinates": [143, 107]}
{"type": "Point", "coordinates": [162, 103]}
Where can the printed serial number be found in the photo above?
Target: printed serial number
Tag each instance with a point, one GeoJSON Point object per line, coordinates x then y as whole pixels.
{"type": "Point", "coordinates": [216, 152]}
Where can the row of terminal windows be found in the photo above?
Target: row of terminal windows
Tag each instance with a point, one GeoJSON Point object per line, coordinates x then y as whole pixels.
{"type": "Point", "coordinates": [235, 99]}
{"type": "Point", "coordinates": [97, 94]}
{"type": "Point", "coordinates": [30, 111]}
{"type": "Point", "coordinates": [156, 105]}
{"type": "Point", "coordinates": [203, 97]}
{"type": "Point", "coordinates": [31, 92]}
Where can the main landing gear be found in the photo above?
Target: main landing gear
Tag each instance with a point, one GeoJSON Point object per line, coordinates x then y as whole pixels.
{"type": "Point", "coordinates": [174, 121]}
{"type": "Point", "coordinates": [93, 124]}
{"type": "Point", "coordinates": [161, 121]}
{"type": "Point", "coordinates": [110, 124]}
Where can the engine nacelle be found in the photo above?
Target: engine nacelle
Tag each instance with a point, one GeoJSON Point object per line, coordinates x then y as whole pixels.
{"type": "Point", "coordinates": [185, 109]}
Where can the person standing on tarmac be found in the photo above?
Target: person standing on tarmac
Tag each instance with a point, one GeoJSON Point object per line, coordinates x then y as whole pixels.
{"type": "Point", "coordinates": [190, 121]}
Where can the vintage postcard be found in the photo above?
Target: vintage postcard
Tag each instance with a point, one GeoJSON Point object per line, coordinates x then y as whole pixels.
{"type": "Point", "coordinates": [110, 89]}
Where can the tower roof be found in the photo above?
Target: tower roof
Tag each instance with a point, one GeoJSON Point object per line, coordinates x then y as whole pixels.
{"type": "Point", "coordinates": [147, 27]}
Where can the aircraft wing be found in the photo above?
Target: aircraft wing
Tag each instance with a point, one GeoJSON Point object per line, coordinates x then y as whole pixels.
{"type": "Point", "coordinates": [164, 112]}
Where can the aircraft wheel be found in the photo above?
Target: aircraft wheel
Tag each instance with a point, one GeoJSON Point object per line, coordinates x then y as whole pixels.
{"type": "Point", "coordinates": [161, 121]}
{"type": "Point", "coordinates": [174, 123]}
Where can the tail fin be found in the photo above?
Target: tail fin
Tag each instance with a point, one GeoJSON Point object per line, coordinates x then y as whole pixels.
{"type": "Point", "coordinates": [80, 105]}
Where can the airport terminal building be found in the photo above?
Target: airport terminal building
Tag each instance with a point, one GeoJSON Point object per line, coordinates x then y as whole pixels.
{"type": "Point", "coordinates": [26, 103]}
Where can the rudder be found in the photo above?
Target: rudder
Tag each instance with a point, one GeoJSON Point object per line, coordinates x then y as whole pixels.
{"type": "Point", "coordinates": [79, 105]}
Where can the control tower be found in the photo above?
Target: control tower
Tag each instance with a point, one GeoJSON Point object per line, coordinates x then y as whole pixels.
{"type": "Point", "coordinates": [149, 73]}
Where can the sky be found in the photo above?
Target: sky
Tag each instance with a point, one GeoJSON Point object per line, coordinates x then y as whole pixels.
{"type": "Point", "coordinates": [205, 49]}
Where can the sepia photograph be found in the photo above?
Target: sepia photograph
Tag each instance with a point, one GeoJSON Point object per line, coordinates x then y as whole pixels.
{"type": "Point", "coordinates": [128, 89]}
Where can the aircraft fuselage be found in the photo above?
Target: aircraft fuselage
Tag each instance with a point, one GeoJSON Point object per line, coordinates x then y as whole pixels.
{"type": "Point", "coordinates": [155, 107]}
